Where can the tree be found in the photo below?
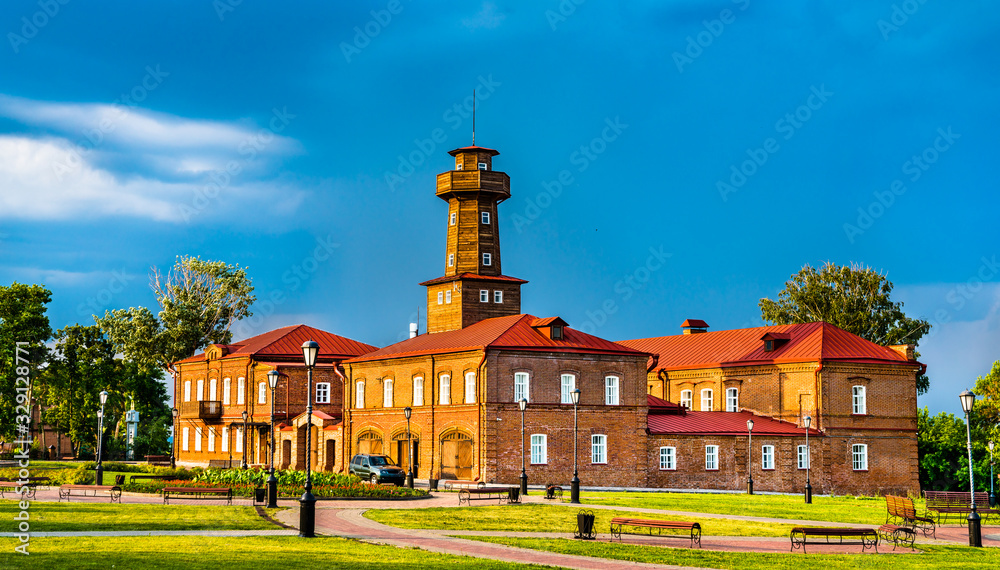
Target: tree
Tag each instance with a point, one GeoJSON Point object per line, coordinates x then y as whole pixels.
{"type": "Point", "coordinates": [199, 303]}
{"type": "Point", "coordinates": [22, 320]}
{"type": "Point", "coordinates": [853, 298]}
{"type": "Point", "coordinates": [941, 446]}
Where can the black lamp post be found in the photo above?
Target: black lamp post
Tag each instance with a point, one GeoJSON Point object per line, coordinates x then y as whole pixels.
{"type": "Point", "coordinates": [975, 530]}
{"type": "Point", "coordinates": [523, 403]}
{"type": "Point", "coordinates": [993, 497]}
{"type": "Point", "coordinates": [307, 504]}
{"type": "Point", "coordinates": [99, 471]}
{"type": "Point", "coordinates": [272, 481]}
{"type": "Point", "coordinates": [575, 483]}
{"type": "Point", "coordinates": [243, 440]}
{"type": "Point", "coordinates": [749, 457]}
{"type": "Point", "coordinates": [807, 421]}
{"type": "Point", "coordinates": [409, 448]}
{"type": "Point", "coordinates": [173, 440]}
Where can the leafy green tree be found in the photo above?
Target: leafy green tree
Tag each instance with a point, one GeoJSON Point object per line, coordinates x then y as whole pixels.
{"type": "Point", "coordinates": [941, 446]}
{"type": "Point", "coordinates": [22, 319]}
{"type": "Point", "coordinates": [986, 417]}
{"type": "Point", "coordinates": [854, 298]}
{"type": "Point", "coordinates": [199, 302]}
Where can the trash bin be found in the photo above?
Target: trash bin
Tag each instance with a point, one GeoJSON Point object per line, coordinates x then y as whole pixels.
{"type": "Point", "coordinates": [585, 525]}
{"type": "Point", "coordinates": [259, 495]}
{"type": "Point", "coordinates": [514, 495]}
{"type": "Point", "coordinates": [432, 484]}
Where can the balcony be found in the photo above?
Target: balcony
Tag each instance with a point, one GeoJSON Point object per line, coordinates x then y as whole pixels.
{"type": "Point", "coordinates": [210, 410]}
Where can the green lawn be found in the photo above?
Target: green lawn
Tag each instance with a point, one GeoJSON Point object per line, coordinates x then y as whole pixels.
{"type": "Point", "coordinates": [260, 553]}
{"type": "Point", "coordinates": [933, 557]}
{"type": "Point", "coordinates": [51, 517]}
{"type": "Point", "coordinates": [845, 509]}
{"type": "Point", "coordinates": [549, 518]}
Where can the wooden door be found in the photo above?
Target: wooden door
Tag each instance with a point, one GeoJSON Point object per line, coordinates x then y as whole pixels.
{"type": "Point", "coordinates": [456, 456]}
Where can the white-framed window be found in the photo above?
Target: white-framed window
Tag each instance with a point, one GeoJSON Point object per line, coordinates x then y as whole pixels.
{"type": "Point", "coordinates": [859, 401]}
{"type": "Point", "coordinates": [521, 386]}
{"type": "Point", "coordinates": [454, 215]}
{"type": "Point", "coordinates": [686, 398]}
{"type": "Point", "coordinates": [185, 436]}
{"type": "Point", "coordinates": [567, 384]}
{"type": "Point", "coordinates": [387, 393]}
{"type": "Point", "coordinates": [487, 259]}
{"type": "Point", "coordinates": [322, 393]}
{"type": "Point", "coordinates": [611, 390]}
{"type": "Point", "coordinates": [803, 457]}
{"type": "Point", "coordinates": [470, 387]}
{"type": "Point", "coordinates": [213, 389]}
{"type": "Point", "coordinates": [211, 440]}
{"type": "Point", "coordinates": [444, 388]}
{"type": "Point", "coordinates": [359, 395]}
{"type": "Point", "coordinates": [227, 389]}
{"type": "Point", "coordinates": [262, 393]}
{"type": "Point", "coordinates": [668, 458]}
{"type": "Point", "coordinates": [225, 439]}
{"type": "Point", "coordinates": [732, 399]}
{"type": "Point", "coordinates": [598, 448]}
{"type": "Point", "coordinates": [201, 390]}
{"type": "Point", "coordinates": [197, 439]}
{"type": "Point", "coordinates": [711, 457]}
{"type": "Point", "coordinates": [239, 439]}
{"type": "Point", "coordinates": [706, 400]}
{"type": "Point", "coordinates": [482, 166]}
{"type": "Point", "coordinates": [241, 391]}
{"type": "Point", "coordinates": [418, 391]}
{"type": "Point", "coordinates": [539, 448]}
{"type": "Point", "coordinates": [498, 296]}
{"type": "Point", "coordinates": [859, 453]}
{"type": "Point", "coordinates": [451, 260]}
{"type": "Point", "coordinates": [484, 295]}
{"type": "Point", "coordinates": [767, 457]}
{"type": "Point", "coordinates": [485, 217]}
{"type": "Point", "coordinates": [447, 296]}
{"type": "Point", "coordinates": [458, 166]}
{"type": "Point", "coordinates": [187, 390]}
{"type": "Point", "coordinates": [440, 297]}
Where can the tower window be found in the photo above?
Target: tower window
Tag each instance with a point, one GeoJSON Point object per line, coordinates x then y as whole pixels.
{"type": "Point", "coordinates": [486, 217]}
{"type": "Point", "coordinates": [498, 296]}
{"type": "Point", "coordinates": [487, 259]}
{"type": "Point", "coordinates": [451, 260]}
{"type": "Point", "coordinates": [453, 218]}
{"type": "Point", "coordinates": [458, 166]}
{"type": "Point", "coordinates": [447, 296]}
{"type": "Point", "coordinates": [484, 295]}
{"type": "Point", "coordinates": [482, 166]}
{"type": "Point", "coordinates": [440, 297]}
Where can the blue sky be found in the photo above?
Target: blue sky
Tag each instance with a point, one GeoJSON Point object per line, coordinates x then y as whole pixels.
{"type": "Point", "coordinates": [724, 143]}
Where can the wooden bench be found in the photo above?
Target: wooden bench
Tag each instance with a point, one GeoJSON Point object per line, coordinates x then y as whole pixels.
{"type": "Point", "coordinates": [219, 464]}
{"type": "Point", "coordinates": [66, 491]}
{"type": "Point", "coordinates": [26, 489]}
{"type": "Point", "coordinates": [619, 523]}
{"type": "Point", "coordinates": [866, 537]}
{"type": "Point", "coordinates": [948, 503]}
{"type": "Point", "coordinates": [450, 484]}
{"type": "Point", "coordinates": [900, 510]}
{"type": "Point", "coordinates": [150, 477]}
{"type": "Point", "coordinates": [897, 535]}
{"type": "Point", "coordinates": [196, 493]}
{"type": "Point", "coordinates": [500, 493]}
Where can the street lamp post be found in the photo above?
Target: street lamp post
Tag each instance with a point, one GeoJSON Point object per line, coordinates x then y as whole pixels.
{"type": "Point", "coordinates": [749, 457]}
{"type": "Point", "coordinates": [307, 504]}
{"type": "Point", "coordinates": [807, 421]}
{"type": "Point", "coordinates": [272, 481]}
{"type": "Point", "coordinates": [975, 530]}
{"type": "Point", "coordinates": [575, 484]}
{"type": "Point", "coordinates": [243, 441]}
{"type": "Point", "coordinates": [409, 448]}
{"type": "Point", "coordinates": [993, 496]}
{"type": "Point", "coordinates": [173, 440]}
{"type": "Point", "coordinates": [99, 471]}
{"type": "Point", "coordinates": [523, 403]}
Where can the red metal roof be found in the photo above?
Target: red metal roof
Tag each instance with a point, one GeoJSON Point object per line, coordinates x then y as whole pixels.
{"type": "Point", "coordinates": [658, 406]}
{"type": "Point", "coordinates": [694, 323]}
{"type": "Point", "coordinates": [808, 342]}
{"type": "Point", "coordinates": [474, 276]}
{"type": "Point", "coordinates": [721, 423]}
{"type": "Point", "coordinates": [474, 149]}
{"type": "Point", "coordinates": [547, 322]}
{"type": "Point", "coordinates": [513, 332]}
{"type": "Point", "coordinates": [286, 342]}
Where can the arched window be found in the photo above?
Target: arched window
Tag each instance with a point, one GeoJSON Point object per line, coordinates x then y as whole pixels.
{"type": "Point", "coordinates": [418, 391]}
{"type": "Point", "coordinates": [262, 393]}
{"type": "Point", "coordinates": [706, 400]}
{"type": "Point", "coordinates": [201, 390]}
{"type": "Point", "coordinates": [521, 386]}
{"type": "Point", "coordinates": [241, 391]}
{"type": "Point", "coordinates": [187, 390]}
{"type": "Point", "coordinates": [686, 398]}
{"type": "Point", "coordinates": [213, 389]}
{"type": "Point", "coordinates": [859, 400]}
{"type": "Point", "coordinates": [227, 388]}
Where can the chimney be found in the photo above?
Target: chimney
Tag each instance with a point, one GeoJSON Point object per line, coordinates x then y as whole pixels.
{"type": "Point", "coordinates": [413, 330]}
{"type": "Point", "coordinates": [905, 350]}
{"type": "Point", "coordinates": [694, 326]}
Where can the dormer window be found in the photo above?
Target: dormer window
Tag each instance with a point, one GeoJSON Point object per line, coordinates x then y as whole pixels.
{"type": "Point", "coordinates": [551, 327]}
{"type": "Point", "coordinates": [557, 332]}
{"type": "Point", "coordinates": [482, 166]}
{"type": "Point", "coordinates": [773, 341]}
{"type": "Point", "coordinates": [768, 345]}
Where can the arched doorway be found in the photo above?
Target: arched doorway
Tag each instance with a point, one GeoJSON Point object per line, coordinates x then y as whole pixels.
{"type": "Point", "coordinates": [286, 453]}
{"type": "Point", "coordinates": [370, 442]}
{"type": "Point", "coordinates": [401, 453]}
{"type": "Point", "coordinates": [330, 455]}
{"type": "Point", "coordinates": [456, 456]}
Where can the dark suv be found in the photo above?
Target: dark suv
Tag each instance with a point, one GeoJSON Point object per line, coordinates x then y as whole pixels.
{"type": "Point", "coordinates": [377, 469]}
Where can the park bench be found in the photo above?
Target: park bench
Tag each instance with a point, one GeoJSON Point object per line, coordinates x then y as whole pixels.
{"type": "Point", "coordinates": [618, 525]}
{"type": "Point", "coordinates": [866, 537]}
{"type": "Point", "coordinates": [948, 503]}
{"type": "Point", "coordinates": [196, 493]}
{"type": "Point", "coordinates": [900, 510]}
{"type": "Point", "coordinates": [553, 492]}
{"type": "Point", "coordinates": [501, 493]}
{"type": "Point", "coordinates": [897, 535]}
{"type": "Point", "coordinates": [26, 489]}
{"type": "Point", "coordinates": [450, 484]}
{"type": "Point", "coordinates": [150, 477]}
{"type": "Point", "coordinates": [158, 459]}
{"type": "Point", "coordinates": [66, 491]}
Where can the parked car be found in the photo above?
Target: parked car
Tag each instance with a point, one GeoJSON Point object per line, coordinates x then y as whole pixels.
{"type": "Point", "coordinates": [377, 469]}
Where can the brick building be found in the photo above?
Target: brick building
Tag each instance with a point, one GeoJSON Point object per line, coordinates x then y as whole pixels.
{"type": "Point", "coordinates": [666, 412]}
